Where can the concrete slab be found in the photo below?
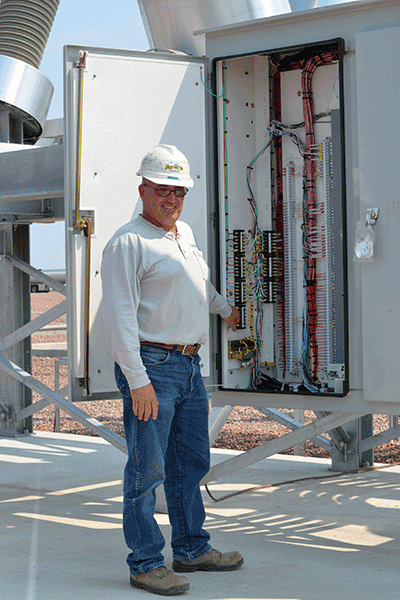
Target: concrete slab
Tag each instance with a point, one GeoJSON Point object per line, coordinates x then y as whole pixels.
{"type": "Point", "coordinates": [327, 537]}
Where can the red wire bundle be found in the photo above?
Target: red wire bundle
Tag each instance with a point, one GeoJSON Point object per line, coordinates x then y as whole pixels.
{"type": "Point", "coordinates": [308, 112]}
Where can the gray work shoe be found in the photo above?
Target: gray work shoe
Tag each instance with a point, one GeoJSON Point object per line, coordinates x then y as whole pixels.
{"type": "Point", "coordinates": [213, 560]}
{"type": "Point", "coordinates": [160, 581]}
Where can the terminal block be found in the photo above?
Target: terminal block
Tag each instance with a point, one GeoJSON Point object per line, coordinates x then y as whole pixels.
{"type": "Point", "coordinates": [239, 272]}
{"type": "Point", "coordinates": [269, 267]}
{"type": "Point", "coordinates": [241, 349]}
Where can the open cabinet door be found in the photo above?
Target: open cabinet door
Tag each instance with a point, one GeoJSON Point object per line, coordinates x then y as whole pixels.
{"type": "Point", "coordinates": [118, 105]}
{"type": "Point", "coordinates": [378, 93]}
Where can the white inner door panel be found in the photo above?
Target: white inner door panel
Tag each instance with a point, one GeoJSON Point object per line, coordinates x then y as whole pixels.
{"type": "Point", "coordinates": [132, 101]}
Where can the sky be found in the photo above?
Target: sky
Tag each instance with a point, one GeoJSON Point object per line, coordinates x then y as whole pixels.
{"type": "Point", "coordinates": [115, 24]}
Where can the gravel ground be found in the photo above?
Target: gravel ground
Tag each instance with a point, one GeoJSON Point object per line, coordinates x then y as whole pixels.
{"type": "Point", "coordinates": [245, 429]}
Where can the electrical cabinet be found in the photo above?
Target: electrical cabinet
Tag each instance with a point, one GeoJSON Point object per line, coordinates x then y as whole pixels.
{"type": "Point", "coordinates": [282, 219]}
{"type": "Point", "coordinates": [288, 156]}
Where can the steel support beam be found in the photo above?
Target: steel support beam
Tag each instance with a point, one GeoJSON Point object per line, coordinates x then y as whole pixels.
{"type": "Point", "coordinates": [348, 457]}
{"type": "Point", "coordinates": [378, 439]}
{"type": "Point", "coordinates": [48, 350]}
{"type": "Point", "coordinates": [38, 406]}
{"type": "Point", "coordinates": [38, 275]}
{"type": "Point", "coordinates": [290, 423]}
{"type": "Point", "coordinates": [68, 407]}
{"type": "Point", "coordinates": [331, 421]}
{"type": "Point", "coordinates": [15, 312]}
{"type": "Point", "coordinates": [33, 326]}
{"type": "Point", "coordinates": [339, 435]}
{"type": "Point", "coordinates": [28, 411]}
{"type": "Point", "coordinates": [216, 424]}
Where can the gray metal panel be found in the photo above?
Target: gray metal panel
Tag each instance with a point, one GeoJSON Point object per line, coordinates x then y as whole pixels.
{"type": "Point", "coordinates": [301, 11]}
{"type": "Point", "coordinates": [171, 23]}
{"type": "Point", "coordinates": [378, 94]}
{"type": "Point", "coordinates": [31, 174]}
{"type": "Point", "coordinates": [343, 21]}
{"type": "Point", "coordinates": [46, 210]}
{"type": "Point", "coordinates": [131, 102]}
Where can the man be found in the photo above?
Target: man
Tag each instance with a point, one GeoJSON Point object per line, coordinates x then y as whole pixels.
{"type": "Point", "coordinates": [157, 298]}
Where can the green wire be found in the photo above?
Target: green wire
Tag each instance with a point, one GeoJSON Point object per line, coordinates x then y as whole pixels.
{"type": "Point", "coordinates": [209, 91]}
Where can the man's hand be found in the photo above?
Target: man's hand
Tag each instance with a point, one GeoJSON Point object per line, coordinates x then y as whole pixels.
{"type": "Point", "coordinates": [144, 402]}
{"type": "Point", "coordinates": [234, 319]}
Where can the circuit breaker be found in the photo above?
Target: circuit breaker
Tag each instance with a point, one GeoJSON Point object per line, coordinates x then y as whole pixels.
{"type": "Point", "coordinates": [281, 199]}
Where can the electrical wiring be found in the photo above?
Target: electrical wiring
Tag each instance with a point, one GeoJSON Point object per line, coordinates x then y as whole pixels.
{"type": "Point", "coordinates": [316, 118]}
{"type": "Point", "coordinates": [256, 292]}
{"type": "Point", "coordinates": [277, 253]}
{"type": "Point", "coordinates": [309, 223]}
{"type": "Point", "coordinates": [207, 89]}
{"type": "Point", "coordinates": [312, 240]}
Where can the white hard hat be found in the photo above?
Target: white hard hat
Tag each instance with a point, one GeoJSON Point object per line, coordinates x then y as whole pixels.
{"type": "Point", "coordinates": [166, 165]}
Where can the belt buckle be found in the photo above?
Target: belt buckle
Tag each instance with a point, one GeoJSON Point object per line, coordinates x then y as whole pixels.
{"type": "Point", "coordinates": [184, 350]}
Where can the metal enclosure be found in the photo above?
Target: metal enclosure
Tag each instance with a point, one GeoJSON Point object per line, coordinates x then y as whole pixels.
{"type": "Point", "coordinates": [370, 33]}
{"type": "Point", "coordinates": [121, 116]}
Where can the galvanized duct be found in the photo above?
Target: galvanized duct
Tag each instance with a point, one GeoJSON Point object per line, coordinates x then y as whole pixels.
{"type": "Point", "coordinates": [25, 27]}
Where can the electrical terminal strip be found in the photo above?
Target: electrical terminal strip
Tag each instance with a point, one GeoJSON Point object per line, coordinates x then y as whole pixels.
{"type": "Point", "coordinates": [326, 168]}
{"type": "Point", "coordinates": [270, 270]}
{"type": "Point", "coordinates": [239, 272]}
{"type": "Point", "coordinates": [292, 352]}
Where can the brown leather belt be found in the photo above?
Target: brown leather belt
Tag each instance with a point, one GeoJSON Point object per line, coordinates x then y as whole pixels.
{"type": "Point", "coordinates": [185, 349]}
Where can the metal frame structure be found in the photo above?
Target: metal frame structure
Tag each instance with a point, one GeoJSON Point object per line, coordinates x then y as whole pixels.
{"type": "Point", "coordinates": [350, 448]}
{"type": "Point", "coordinates": [39, 198]}
{"type": "Point", "coordinates": [49, 396]}
{"type": "Point", "coordinates": [331, 423]}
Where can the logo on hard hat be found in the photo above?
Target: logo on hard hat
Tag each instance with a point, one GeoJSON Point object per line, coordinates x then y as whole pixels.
{"type": "Point", "coordinates": [174, 167]}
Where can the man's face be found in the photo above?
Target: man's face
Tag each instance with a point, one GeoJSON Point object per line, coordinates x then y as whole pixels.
{"type": "Point", "coordinates": [161, 211]}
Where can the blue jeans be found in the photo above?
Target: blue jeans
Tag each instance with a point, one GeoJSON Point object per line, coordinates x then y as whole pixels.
{"type": "Point", "coordinates": [172, 449]}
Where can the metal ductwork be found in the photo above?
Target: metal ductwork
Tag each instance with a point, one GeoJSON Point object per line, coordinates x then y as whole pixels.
{"type": "Point", "coordinates": [25, 93]}
{"type": "Point", "coordinates": [25, 28]}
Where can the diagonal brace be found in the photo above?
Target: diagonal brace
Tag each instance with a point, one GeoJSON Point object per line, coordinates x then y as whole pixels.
{"type": "Point", "coordinates": [331, 421]}
{"type": "Point", "coordinates": [292, 424]}
{"type": "Point", "coordinates": [26, 330]}
{"type": "Point", "coordinates": [68, 407]}
{"type": "Point", "coordinates": [37, 406]}
{"type": "Point", "coordinates": [215, 425]}
{"type": "Point", "coordinates": [339, 435]}
{"type": "Point", "coordinates": [33, 408]}
{"type": "Point", "coordinates": [39, 275]}
{"type": "Point", "coordinates": [378, 439]}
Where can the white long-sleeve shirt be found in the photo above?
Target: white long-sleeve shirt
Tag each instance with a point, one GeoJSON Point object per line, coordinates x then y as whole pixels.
{"type": "Point", "coordinates": [156, 288]}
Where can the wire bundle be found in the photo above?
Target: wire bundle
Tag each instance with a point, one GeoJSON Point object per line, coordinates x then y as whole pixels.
{"type": "Point", "coordinates": [309, 353]}
{"type": "Point", "coordinates": [256, 269]}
